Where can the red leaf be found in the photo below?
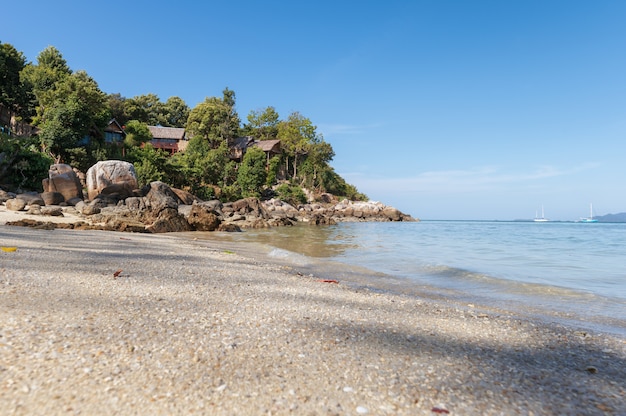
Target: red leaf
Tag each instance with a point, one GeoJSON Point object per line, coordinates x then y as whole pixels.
{"type": "Point", "coordinates": [117, 273]}
{"type": "Point", "coordinates": [439, 410]}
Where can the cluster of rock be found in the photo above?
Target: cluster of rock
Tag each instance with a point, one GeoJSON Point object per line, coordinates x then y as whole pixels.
{"type": "Point", "coordinates": [114, 202]}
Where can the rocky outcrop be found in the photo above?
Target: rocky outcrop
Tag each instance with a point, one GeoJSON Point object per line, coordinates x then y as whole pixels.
{"type": "Point", "coordinates": [115, 203]}
{"type": "Point", "coordinates": [111, 177]}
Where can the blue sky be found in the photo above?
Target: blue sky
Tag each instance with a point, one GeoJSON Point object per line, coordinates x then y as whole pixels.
{"type": "Point", "coordinates": [445, 109]}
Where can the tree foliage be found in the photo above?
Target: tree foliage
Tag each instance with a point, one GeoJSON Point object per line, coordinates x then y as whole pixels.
{"type": "Point", "coordinates": [14, 95]}
{"type": "Point", "coordinates": [74, 110]}
{"type": "Point", "coordinates": [263, 125]}
{"type": "Point", "coordinates": [215, 119]}
{"type": "Point", "coordinates": [251, 175]}
{"type": "Point", "coordinates": [137, 133]}
{"type": "Point", "coordinates": [22, 166]}
{"type": "Point", "coordinates": [71, 113]}
{"type": "Point", "coordinates": [296, 135]}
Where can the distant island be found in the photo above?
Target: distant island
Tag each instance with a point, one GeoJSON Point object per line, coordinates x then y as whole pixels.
{"type": "Point", "coordinates": [620, 217]}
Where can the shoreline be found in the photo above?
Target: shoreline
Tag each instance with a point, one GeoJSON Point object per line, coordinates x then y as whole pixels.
{"type": "Point", "coordinates": [276, 246]}
{"type": "Point", "coordinates": [192, 325]}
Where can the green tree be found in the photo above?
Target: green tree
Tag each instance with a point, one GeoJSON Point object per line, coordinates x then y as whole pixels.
{"type": "Point", "coordinates": [145, 108]}
{"type": "Point", "coordinates": [317, 161]}
{"type": "Point", "coordinates": [42, 79]}
{"type": "Point", "coordinates": [117, 105]}
{"type": "Point", "coordinates": [150, 164]}
{"type": "Point", "coordinates": [174, 113]}
{"type": "Point", "coordinates": [296, 134]}
{"type": "Point", "coordinates": [137, 133]}
{"type": "Point", "coordinates": [263, 125]}
{"type": "Point", "coordinates": [251, 175]}
{"type": "Point", "coordinates": [215, 119]}
{"type": "Point", "coordinates": [75, 109]}
{"type": "Point", "coordinates": [14, 94]}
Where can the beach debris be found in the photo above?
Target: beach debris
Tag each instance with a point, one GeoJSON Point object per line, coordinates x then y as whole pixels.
{"type": "Point", "coordinates": [439, 410]}
{"type": "Point", "coordinates": [362, 410]}
{"type": "Point", "coordinates": [8, 249]}
{"type": "Point", "coordinates": [591, 369]}
{"type": "Point", "coordinates": [328, 281]}
{"type": "Point", "coordinates": [117, 273]}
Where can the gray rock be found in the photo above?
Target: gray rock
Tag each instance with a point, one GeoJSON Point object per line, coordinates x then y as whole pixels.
{"type": "Point", "coordinates": [52, 198]}
{"type": "Point", "coordinates": [15, 204]}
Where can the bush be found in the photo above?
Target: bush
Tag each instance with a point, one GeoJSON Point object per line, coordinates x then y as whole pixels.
{"type": "Point", "coordinates": [292, 194]}
{"type": "Point", "coordinates": [22, 167]}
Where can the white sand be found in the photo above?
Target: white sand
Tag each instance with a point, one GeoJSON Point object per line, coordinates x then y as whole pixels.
{"type": "Point", "coordinates": [191, 326]}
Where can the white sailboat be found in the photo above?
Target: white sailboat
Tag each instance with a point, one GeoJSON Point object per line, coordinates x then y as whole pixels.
{"type": "Point", "coordinates": [590, 218]}
{"type": "Point", "coordinates": [542, 218]}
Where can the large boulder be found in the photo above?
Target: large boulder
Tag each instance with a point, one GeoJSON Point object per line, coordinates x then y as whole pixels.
{"type": "Point", "coordinates": [160, 196]}
{"type": "Point", "coordinates": [109, 173]}
{"type": "Point", "coordinates": [63, 179]}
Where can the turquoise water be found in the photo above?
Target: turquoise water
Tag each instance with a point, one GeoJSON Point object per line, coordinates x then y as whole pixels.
{"type": "Point", "coordinates": [569, 272]}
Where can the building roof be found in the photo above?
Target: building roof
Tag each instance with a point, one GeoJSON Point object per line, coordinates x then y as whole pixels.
{"type": "Point", "coordinates": [115, 127]}
{"type": "Point", "coordinates": [268, 145]}
{"type": "Point", "coordinates": [160, 132]}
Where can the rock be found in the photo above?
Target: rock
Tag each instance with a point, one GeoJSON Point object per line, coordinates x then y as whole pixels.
{"type": "Point", "coordinates": [31, 198]}
{"type": "Point", "coordinates": [184, 197]}
{"type": "Point", "coordinates": [52, 211]}
{"type": "Point", "coordinates": [90, 209]}
{"type": "Point", "coordinates": [52, 197]}
{"type": "Point", "coordinates": [203, 217]}
{"type": "Point", "coordinates": [169, 221]}
{"type": "Point", "coordinates": [231, 228]}
{"type": "Point", "coordinates": [106, 173]}
{"type": "Point", "coordinates": [392, 213]}
{"type": "Point", "coordinates": [74, 201]}
{"type": "Point", "coordinates": [15, 204]}
{"type": "Point", "coordinates": [135, 203]}
{"type": "Point", "coordinates": [159, 197]}
{"type": "Point", "coordinates": [34, 210]}
{"type": "Point", "coordinates": [250, 207]}
{"type": "Point", "coordinates": [5, 196]}
{"type": "Point", "coordinates": [116, 192]}
{"type": "Point", "coordinates": [63, 179]}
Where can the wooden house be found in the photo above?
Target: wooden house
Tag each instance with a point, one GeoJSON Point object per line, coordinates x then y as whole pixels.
{"type": "Point", "coordinates": [114, 133]}
{"type": "Point", "coordinates": [240, 145]}
{"type": "Point", "coordinates": [170, 139]}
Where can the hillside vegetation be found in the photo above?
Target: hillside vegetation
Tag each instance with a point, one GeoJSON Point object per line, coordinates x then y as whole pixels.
{"type": "Point", "coordinates": [52, 114]}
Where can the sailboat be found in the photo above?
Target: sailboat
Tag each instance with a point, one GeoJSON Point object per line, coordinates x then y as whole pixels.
{"type": "Point", "coordinates": [590, 219]}
{"type": "Point", "coordinates": [542, 218]}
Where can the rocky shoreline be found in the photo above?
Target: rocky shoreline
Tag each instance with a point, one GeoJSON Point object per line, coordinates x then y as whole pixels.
{"type": "Point", "coordinates": [158, 208]}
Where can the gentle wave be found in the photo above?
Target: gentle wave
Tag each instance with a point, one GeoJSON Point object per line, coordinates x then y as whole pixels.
{"type": "Point", "coordinates": [563, 271]}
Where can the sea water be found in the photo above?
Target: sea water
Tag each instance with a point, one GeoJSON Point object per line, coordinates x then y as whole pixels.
{"type": "Point", "coordinates": [574, 273]}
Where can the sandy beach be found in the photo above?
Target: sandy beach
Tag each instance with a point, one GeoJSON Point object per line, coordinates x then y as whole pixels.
{"type": "Point", "coordinates": [95, 322]}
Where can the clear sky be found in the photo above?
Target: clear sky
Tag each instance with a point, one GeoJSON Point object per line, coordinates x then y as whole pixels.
{"type": "Point", "coordinates": [444, 109]}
